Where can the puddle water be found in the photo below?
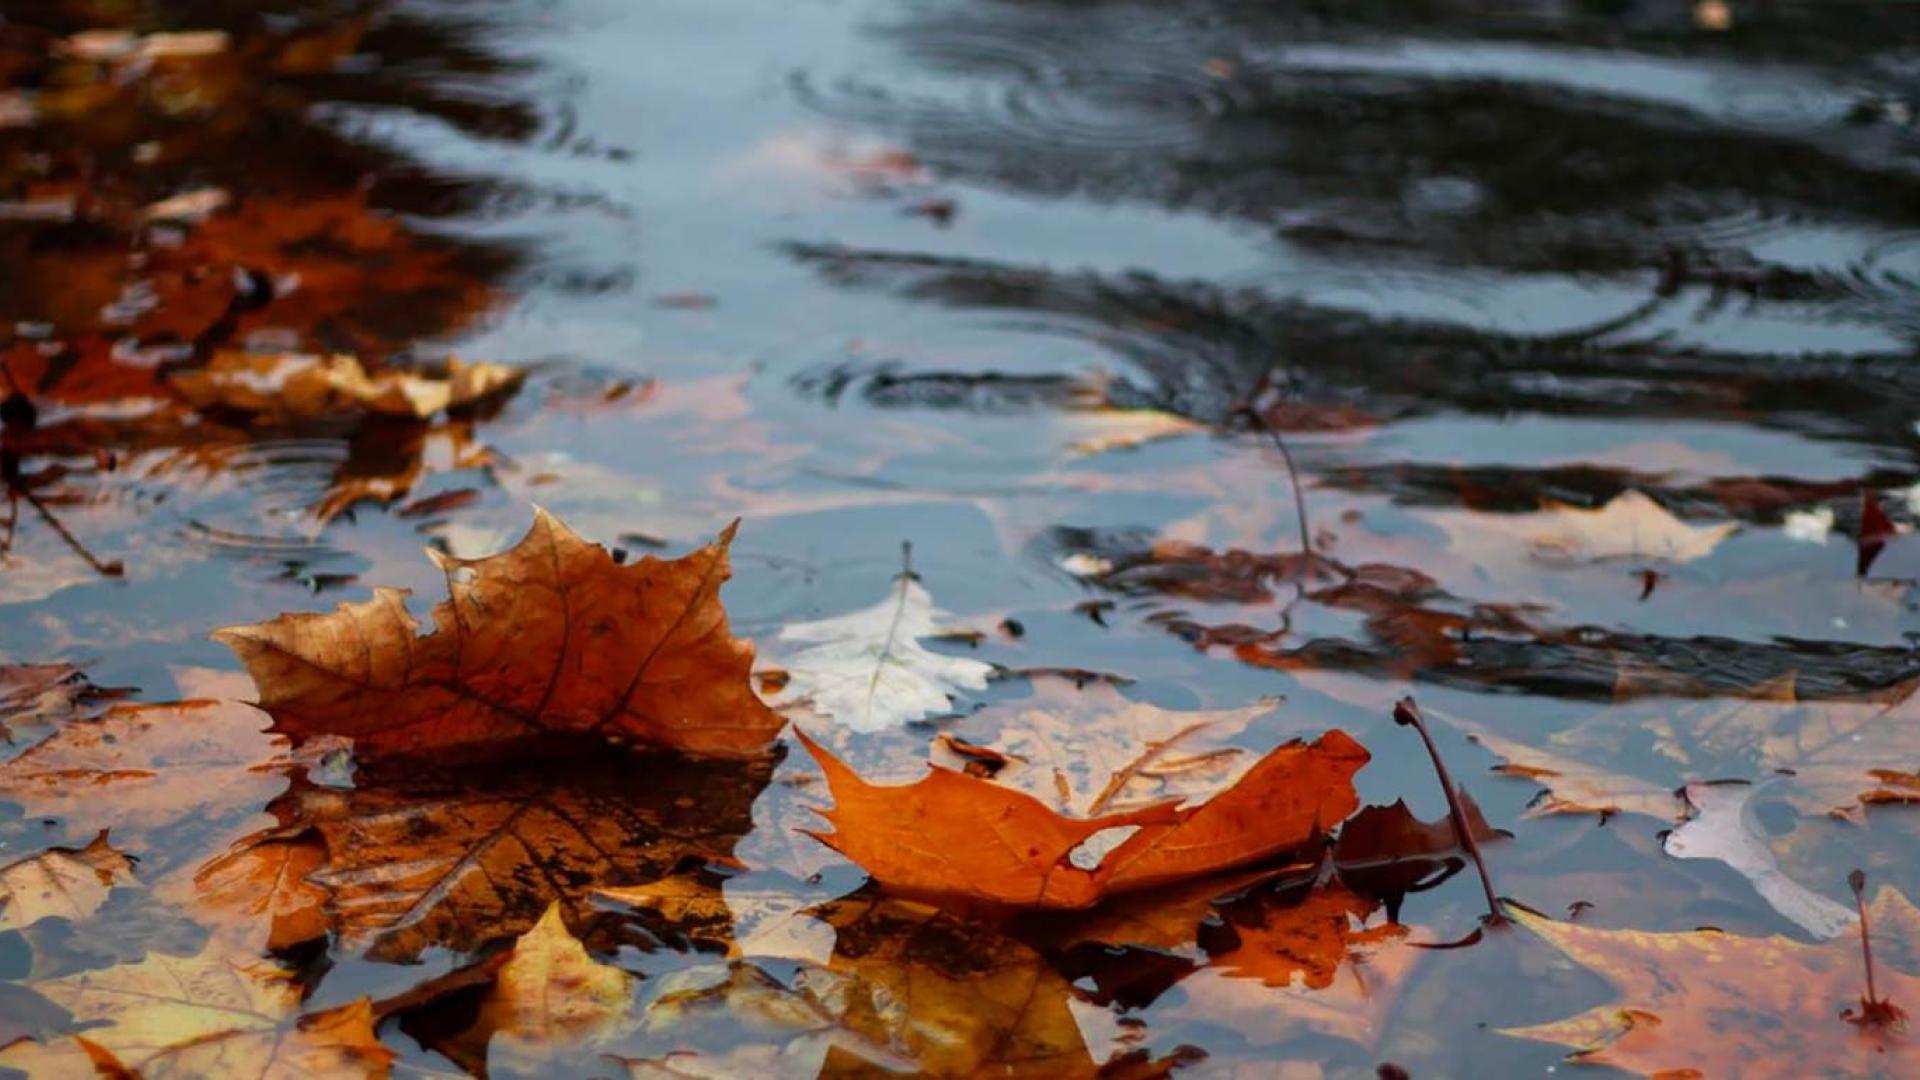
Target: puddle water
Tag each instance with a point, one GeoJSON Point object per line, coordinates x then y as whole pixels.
{"type": "Point", "coordinates": [1002, 281]}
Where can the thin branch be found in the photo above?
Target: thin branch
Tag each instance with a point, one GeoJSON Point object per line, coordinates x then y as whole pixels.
{"type": "Point", "coordinates": [1407, 714]}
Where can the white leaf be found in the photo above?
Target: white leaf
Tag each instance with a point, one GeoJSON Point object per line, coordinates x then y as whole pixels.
{"type": "Point", "coordinates": [868, 670]}
{"type": "Point", "coordinates": [1719, 829]}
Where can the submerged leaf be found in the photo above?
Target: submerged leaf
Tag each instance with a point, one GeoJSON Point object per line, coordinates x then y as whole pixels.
{"type": "Point", "coordinates": [61, 883]}
{"type": "Point", "coordinates": [550, 993]}
{"type": "Point", "coordinates": [217, 1013]}
{"type": "Point", "coordinates": [868, 670]}
{"type": "Point", "coordinates": [1707, 1003]}
{"type": "Point", "coordinates": [551, 637]}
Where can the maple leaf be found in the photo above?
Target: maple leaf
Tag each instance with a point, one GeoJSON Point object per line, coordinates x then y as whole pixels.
{"type": "Point", "coordinates": [552, 637]}
{"type": "Point", "coordinates": [193, 769]}
{"type": "Point", "coordinates": [868, 670]}
{"type": "Point", "coordinates": [951, 834]}
{"type": "Point", "coordinates": [1570, 786]}
{"type": "Point", "coordinates": [281, 386]}
{"type": "Point", "coordinates": [217, 1013]}
{"type": "Point", "coordinates": [61, 883]}
{"type": "Point", "coordinates": [1088, 751]}
{"type": "Point", "coordinates": [1703, 1002]}
{"type": "Point", "coordinates": [1840, 755]}
{"type": "Point", "coordinates": [418, 856]}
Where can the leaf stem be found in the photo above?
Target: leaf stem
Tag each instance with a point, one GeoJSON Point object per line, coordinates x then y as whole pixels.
{"type": "Point", "coordinates": [1874, 1011]}
{"type": "Point", "coordinates": [1250, 407]}
{"type": "Point", "coordinates": [1407, 714]}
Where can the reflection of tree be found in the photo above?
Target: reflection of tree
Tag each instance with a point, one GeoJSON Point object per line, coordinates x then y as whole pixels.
{"type": "Point", "coordinates": [1588, 139]}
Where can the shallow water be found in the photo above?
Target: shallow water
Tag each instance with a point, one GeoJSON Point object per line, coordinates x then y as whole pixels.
{"type": "Point", "coordinates": [848, 271]}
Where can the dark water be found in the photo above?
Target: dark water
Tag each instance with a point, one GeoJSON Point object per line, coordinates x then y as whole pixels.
{"type": "Point", "coordinates": [849, 270]}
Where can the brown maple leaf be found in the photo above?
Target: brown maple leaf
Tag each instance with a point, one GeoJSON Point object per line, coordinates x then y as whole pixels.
{"type": "Point", "coordinates": [951, 834]}
{"type": "Point", "coordinates": [217, 1013]}
{"type": "Point", "coordinates": [553, 637]}
{"type": "Point", "coordinates": [1703, 1002]}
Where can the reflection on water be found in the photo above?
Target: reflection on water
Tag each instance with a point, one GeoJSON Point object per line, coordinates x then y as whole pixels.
{"type": "Point", "coordinates": [1026, 284]}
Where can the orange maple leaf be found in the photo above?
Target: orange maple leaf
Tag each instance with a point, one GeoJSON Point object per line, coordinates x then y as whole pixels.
{"type": "Point", "coordinates": [951, 834]}
{"type": "Point", "coordinates": [552, 637]}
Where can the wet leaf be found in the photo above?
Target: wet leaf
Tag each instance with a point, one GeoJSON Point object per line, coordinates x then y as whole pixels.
{"type": "Point", "coordinates": [1310, 965]}
{"type": "Point", "coordinates": [282, 386]}
{"type": "Point", "coordinates": [36, 699]}
{"type": "Point", "coordinates": [1707, 1003]}
{"type": "Point", "coordinates": [550, 994]}
{"type": "Point", "coordinates": [217, 1013]}
{"type": "Point", "coordinates": [1630, 526]}
{"type": "Point", "coordinates": [1570, 786]}
{"type": "Point", "coordinates": [262, 892]}
{"type": "Point", "coordinates": [950, 834]}
{"type": "Point", "coordinates": [1089, 750]}
{"type": "Point", "coordinates": [868, 669]}
{"type": "Point", "coordinates": [198, 768]}
{"type": "Point", "coordinates": [551, 637]}
{"type": "Point", "coordinates": [61, 883]}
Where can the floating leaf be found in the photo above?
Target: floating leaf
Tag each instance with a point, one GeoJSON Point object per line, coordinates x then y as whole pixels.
{"type": "Point", "coordinates": [868, 670]}
{"type": "Point", "coordinates": [957, 835]}
{"type": "Point", "coordinates": [294, 386]}
{"type": "Point", "coordinates": [550, 638]}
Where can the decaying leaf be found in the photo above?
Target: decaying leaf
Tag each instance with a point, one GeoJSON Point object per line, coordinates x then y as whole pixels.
{"type": "Point", "coordinates": [218, 1013]}
{"type": "Point", "coordinates": [295, 386]}
{"type": "Point", "coordinates": [868, 670]}
{"type": "Point", "coordinates": [61, 883]}
{"type": "Point", "coordinates": [1707, 1003]}
{"type": "Point", "coordinates": [953, 834]}
{"type": "Point", "coordinates": [1838, 756]}
{"type": "Point", "coordinates": [1717, 827]}
{"type": "Point", "coordinates": [550, 638]}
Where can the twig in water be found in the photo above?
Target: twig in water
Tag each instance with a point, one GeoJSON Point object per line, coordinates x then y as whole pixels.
{"type": "Point", "coordinates": [1874, 1011]}
{"type": "Point", "coordinates": [1407, 714]}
